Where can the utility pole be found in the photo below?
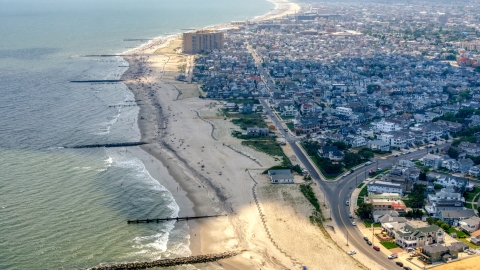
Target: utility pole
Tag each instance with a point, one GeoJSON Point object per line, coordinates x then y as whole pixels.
{"type": "Point", "coordinates": [373, 234]}
{"type": "Point", "coordinates": [347, 238]}
{"type": "Point", "coordinates": [356, 180]}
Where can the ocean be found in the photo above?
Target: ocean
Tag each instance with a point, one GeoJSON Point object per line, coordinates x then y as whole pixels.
{"type": "Point", "coordinates": [64, 208]}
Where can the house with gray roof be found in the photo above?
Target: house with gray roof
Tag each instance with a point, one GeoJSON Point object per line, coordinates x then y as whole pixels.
{"type": "Point", "coordinates": [280, 176]}
{"type": "Point", "coordinates": [413, 237]}
{"type": "Point", "coordinates": [453, 217]}
{"type": "Point", "coordinates": [470, 224]}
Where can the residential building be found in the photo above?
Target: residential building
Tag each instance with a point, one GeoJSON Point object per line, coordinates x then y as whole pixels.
{"type": "Point", "coordinates": [383, 187]}
{"type": "Point", "coordinates": [355, 141]}
{"type": "Point", "coordinates": [471, 224]}
{"type": "Point", "coordinates": [280, 176]}
{"type": "Point", "coordinates": [453, 217]}
{"type": "Point", "coordinates": [256, 131]}
{"type": "Point", "coordinates": [410, 236]}
{"type": "Point", "coordinates": [202, 41]}
{"type": "Point", "coordinates": [330, 152]}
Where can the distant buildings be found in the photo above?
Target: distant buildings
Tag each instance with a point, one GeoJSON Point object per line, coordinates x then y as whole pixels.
{"type": "Point", "coordinates": [202, 41]}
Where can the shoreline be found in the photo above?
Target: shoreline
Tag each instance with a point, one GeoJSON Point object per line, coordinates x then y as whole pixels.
{"type": "Point", "coordinates": [194, 193]}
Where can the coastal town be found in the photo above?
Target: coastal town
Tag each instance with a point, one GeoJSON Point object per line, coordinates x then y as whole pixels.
{"type": "Point", "coordinates": [381, 99]}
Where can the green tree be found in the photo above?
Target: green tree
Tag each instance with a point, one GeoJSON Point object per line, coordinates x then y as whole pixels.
{"type": "Point", "coordinates": [417, 199]}
{"type": "Point", "coordinates": [365, 153]}
{"type": "Point", "coordinates": [364, 210]}
{"type": "Point", "coordinates": [341, 145]}
{"type": "Point", "coordinates": [453, 153]}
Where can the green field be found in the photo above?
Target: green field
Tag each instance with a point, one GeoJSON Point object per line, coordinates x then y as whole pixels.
{"type": "Point", "coordinates": [249, 120]}
{"type": "Point", "coordinates": [389, 245]}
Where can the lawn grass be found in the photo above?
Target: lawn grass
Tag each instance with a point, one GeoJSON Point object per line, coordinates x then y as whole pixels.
{"type": "Point", "coordinates": [470, 244]}
{"type": "Point", "coordinates": [249, 120]}
{"type": "Point", "coordinates": [361, 185]}
{"type": "Point", "coordinates": [269, 147]}
{"type": "Point", "coordinates": [368, 224]}
{"type": "Point", "coordinates": [328, 176]}
{"type": "Point", "coordinates": [460, 234]}
{"type": "Point", "coordinates": [286, 117]}
{"type": "Point", "coordinates": [469, 206]}
{"type": "Point", "coordinates": [471, 194]}
{"type": "Point", "coordinates": [363, 192]}
{"type": "Point", "coordinates": [290, 126]}
{"type": "Point", "coordinates": [359, 200]}
{"type": "Point", "coordinates": [389, 245]}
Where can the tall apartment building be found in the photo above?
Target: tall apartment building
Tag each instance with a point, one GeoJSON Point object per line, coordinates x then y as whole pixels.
{"type": "Point", "coordinates": [202, 41]}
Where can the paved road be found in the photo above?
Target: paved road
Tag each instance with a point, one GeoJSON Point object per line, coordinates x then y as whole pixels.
{"type": "Point", "coordinates": [337, 193]}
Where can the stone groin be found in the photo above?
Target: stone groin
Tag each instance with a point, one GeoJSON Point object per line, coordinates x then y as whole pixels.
{"type": "Point", "coordinates": [170, 262]}
{"type": "Point", "coordinates": [125, 144]}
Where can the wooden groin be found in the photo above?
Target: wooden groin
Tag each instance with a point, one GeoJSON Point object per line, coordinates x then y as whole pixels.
{"type": "Point", "coordinates": [108, 145]}
{"type": "Point", "coordinates": [170, 262]}
{"type": "Point", "coordinates": [168, 219]}
{"type": "Point", "coordinates": [101, 55]}
{"type": "Point", "coordinates": [96, 81]}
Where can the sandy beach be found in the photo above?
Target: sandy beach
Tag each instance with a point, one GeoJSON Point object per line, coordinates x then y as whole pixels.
{"type": "Point", "coordinates": [210, 172]}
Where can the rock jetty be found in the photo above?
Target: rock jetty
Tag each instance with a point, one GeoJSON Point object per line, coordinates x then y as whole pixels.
{"type": "Point", "coordinates": [169, 262]}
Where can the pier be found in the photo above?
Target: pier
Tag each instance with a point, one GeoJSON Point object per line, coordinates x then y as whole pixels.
{"type": "Point", "coordinates": [96, 81]}
{"type": "Point", "coordinates": [170, 262]}
{"type": "Point", "coordinates": [168, 219]}
{"type": "Point", "coordinates": [108, 145]}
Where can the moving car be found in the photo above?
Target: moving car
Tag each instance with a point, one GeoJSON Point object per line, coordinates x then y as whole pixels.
{"type": "Point", "coordinates": [376, 248]}
{"type": "Point", "coordinates": [352, 252]}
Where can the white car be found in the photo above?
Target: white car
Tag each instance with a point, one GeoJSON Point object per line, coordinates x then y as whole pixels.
{"type": "Point", "coordinates": [352, 252]}
{"type": "Point", "coordinates": [354, 224]}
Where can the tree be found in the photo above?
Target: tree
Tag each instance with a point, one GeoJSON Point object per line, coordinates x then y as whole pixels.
{"type": "Point", "coordinates": [365, 153]}
{"type": "Point", "coordinates": [341, 145]}
{"type": "Point", "coordinates": [417, 199]}
{"type": "Point", "coordinates": [364, 210]}
{"type": "Point", "coordinates": [453, 153]}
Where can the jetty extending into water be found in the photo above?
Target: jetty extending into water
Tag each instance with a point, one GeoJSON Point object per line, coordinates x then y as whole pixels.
{"type": "Point", "coordinates": [168, 219]}
{"type": "Point", "coordinates": [96, 81]}
{"type": "Point", "coordinates": [108, 145]}
{"type": "Point", "coordinates": [170, 262]}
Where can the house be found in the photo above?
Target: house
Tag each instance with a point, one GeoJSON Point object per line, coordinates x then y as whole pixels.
{"type": "Point", "coordinates": [474, 171]}
{"type": "Point", "coordinates": [470, 148]}
{"type": "Point", "coordinates": [453, 217]}
{"type": "Point", "coordinates": [437, 252]}
{"type": "Point", "coordinates": [460, 184]}
{"type": "Point", "coordinates": [384, 213]}
{"type": "Point", "coordinates": [330, 152]}
{"type": "Point", "coordinates": [355, 141]}
{"type": "Point", "coordinates": [280, 176]}
{"type": "Point", "coordinates": [383, 187]}
{"type": "Point", "coordinates": [431, 160]}
{"type": "Point", "coordinates": [470, 225]}
{"type": "Point", "coordinates": [377, 145]}
{"type": "Point", "coordinates": [256, 131]}
{"type": "Point", "coordinates": [410, 236]}
{"type": "Point", "coordinates": [386, 204]}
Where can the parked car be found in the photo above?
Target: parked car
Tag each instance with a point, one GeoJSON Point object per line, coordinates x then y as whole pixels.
{"type": "Point", "coordinates": [399, 264]}
{"type": "Point", "coordinates": [407, 268]}
{"type": "Point", "coordinates": [351, 171]}
{"type": "Point", "coordinates": [347, 203]}
{"type": "Point", "coordinates": [368, 163]}
{"type": "Point", "coordinates": [396, 155]}
{"type": "Point", "coordinates": [369, 243]}
{"type": "Point", "coordinates": [352, 252]}
{"type": "Point", "coordinates": [392, 256]}
{"type": "Point", "coordinates": [376, 248]}
{"type": "Point", "coordinates": [353, 223]}
{"type": "Point", "coordinates": [350, 216]}
{"type": "Point", "coordinates": [365, 238]}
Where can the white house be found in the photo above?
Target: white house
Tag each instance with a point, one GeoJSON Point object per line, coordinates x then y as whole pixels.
{"type": "Point", "coordinates": [470, 224]}
{"type": "Point", "coordinates": [378, 145]}
{"type": "Point", "coordinates": [343, 111]}
{"type": "Point", "coordinates": [280, 176]}
{"type": "Point", "coordinates": [355, 140]}
{"type": "Point", "coordinates": [413, 237]}
{"type": "Point", "coordinates": [385, 126]}
{"type": "Point", "coordinates": [384, 187]}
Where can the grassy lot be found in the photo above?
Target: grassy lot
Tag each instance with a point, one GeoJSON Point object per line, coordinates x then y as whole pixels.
{"type": "Point", "coordinates": [472, 194]}
{"type": "Point", "coordinates": [239, 135]}
{"type": "Point", "coordinates": [359, 200]}
{"type": "Point", "coordinates": [378, 173]}
{"type": "Point", "coordinates": [328, 176]}
{"type": "Point", "coordinates": [363, 192]}
{"type": "Point", "coordinates": [271, 147]}
{"type": "Point", "coordinates": [470, 244]}
{"type": "Point", "coordinates": [286, 117]}
{"type": "Point", "coordinates": [460, 234]}
{"type": "Point", "coordinates": [250, 120]}
{"type": "Point", "coordinates": [368, 224]}
{"type": "Point", "coordinates": [389, 245]}
{"type": "Point", "coordinates": [290, 126]}
{"type": "Point", "coordinates": [239, 101]}
{"type": "Point", "coordinates": [361, 185]}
